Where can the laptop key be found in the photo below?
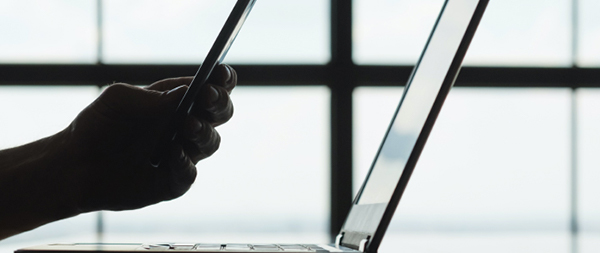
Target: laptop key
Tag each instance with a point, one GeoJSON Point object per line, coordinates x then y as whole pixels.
{"type": "Point", "coordinates": [237, 247]}
{"type": "Point", "coordinates": [157, 246]}
{"type": "Point", "coordinates": [183, 246]}
{"type": "Point", "coordinates": [266, 248]}
{"type": "Point", "coordinates": [207, 247]}
{"type": "Point", "coordinates": [295, 248]}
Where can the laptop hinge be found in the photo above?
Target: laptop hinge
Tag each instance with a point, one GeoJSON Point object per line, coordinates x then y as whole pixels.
{"type": "Point", "coordinates": [338, 239]}
{"type": "Point", "coordinates": [354, 240]}
{"type": "Point", "coordinates": [363, 245]}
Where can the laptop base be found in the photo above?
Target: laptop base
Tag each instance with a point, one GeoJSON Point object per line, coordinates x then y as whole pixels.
{"type": "Point", "coordinates": [186, 247]}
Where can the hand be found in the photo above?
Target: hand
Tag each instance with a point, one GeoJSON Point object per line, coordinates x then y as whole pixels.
{"type": "Point", "coordinates": [108, 146]}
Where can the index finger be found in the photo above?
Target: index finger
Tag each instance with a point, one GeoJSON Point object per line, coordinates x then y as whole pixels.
{"type": "Point", "coordinates": [224, 76]}
{"type": "Point", "coordinates": [170, 83]}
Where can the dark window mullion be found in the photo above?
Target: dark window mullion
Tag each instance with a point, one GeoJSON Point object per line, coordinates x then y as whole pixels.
{"type": "Point", "coordinates": [341, 81]}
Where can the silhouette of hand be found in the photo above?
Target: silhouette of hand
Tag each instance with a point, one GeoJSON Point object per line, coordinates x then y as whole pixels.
{"type": "Point", "coordinates": [110, 143]}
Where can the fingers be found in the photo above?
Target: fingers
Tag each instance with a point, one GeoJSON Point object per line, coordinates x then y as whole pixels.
{"type": "Point", "coordinates": [216, 108]}
{"type": "Point", "coordinates": [170, 83]}
{"type": "Point", "coordinates": [181, 173]}
{"type": "Point", "coordinates": [123, 100]}
{"type": "Point", "coordinates": [215, 104]}
{"type": "Point", "coordinates": [201, 139]}
{"type": "Point", "coordinates": [224, 76]}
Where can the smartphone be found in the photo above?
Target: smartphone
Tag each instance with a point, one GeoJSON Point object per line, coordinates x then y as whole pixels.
{"type": "Point", "coordinates": [215, 56]}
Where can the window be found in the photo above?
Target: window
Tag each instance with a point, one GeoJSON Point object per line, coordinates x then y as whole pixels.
{"type": "Point", "coordinates": [33, 34]}
{"type": "Point", "coordinates": [139, 31]}
{"type": "Point", "coordinates": [589, 37]}
{"type": "Point", "coordinates": [494, 125]}
{"type": "Point", "coordinates": [496, 163]}
{"type": "Point", "coordinates": [523, 33]}
{"type": "Point", "coordinates": [512, 32]}
{"type": "Point", "coordinates": [588, 187]}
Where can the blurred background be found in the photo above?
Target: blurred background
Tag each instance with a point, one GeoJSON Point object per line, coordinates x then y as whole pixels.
{"type": "Point", "coordinates": [511, 165]}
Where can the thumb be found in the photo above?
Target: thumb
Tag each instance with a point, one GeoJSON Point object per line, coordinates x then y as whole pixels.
{"type": "Point", "coordinates": [132, 101]}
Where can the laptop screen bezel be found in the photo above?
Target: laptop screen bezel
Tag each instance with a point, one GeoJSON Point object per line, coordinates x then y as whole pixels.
{"type": "Point", "coordinates": [362, 221]}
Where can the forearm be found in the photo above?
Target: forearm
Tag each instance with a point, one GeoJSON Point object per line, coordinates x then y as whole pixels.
{"type": "Point", "coordinates": [36, 186]}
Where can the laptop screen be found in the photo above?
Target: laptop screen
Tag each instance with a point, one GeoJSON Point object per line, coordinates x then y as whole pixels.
{"type": "Point", "coordinates": [418, 101]}
{"type": "Point", "coordinates": [421, 102]}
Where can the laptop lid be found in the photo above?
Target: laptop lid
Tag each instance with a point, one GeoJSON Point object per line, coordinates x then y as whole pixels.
{"type": "Point", "coordinates": [425, 92]}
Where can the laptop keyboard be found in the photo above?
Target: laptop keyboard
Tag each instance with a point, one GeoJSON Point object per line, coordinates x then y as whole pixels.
{"type": "Point", "coordinates": [205, 247]}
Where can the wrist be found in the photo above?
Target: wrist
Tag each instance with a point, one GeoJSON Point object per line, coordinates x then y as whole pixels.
{"type": "Point", "coordinates": [61, 164]}
{"type": "Point", "coordinates": [53, 170]}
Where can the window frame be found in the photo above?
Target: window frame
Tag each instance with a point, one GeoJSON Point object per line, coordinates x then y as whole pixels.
{"type": "Point", "coordinates": [341, 75]}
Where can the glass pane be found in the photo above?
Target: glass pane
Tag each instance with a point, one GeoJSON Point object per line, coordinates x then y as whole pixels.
{"type": "Point", "coordinates": [48, 31]}
{"type": "Point", "coordinates": [589, 172]}
{"type": "Point", "coordinates": [589, 33]}
{"type": "Point", "coordinates": [523, 33]}
{"type": "Point", "coordinates": [269, 180]}
{"type": "Point", "coordinates": [162, 31]}
{"type": "Point", "coordinates": [373, 111]}
{"type": "Point", "coordinates": [512, 32]}
{"type": "Point", "coordinates": [31, 113]}
{"type": "Point", "coordinates": [494, 171]}
{"type": "Point", "coordinates": [392, 32]}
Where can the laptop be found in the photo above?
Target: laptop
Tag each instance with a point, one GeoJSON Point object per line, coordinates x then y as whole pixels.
{"type": "Point", "coordinates": [376, 202]}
